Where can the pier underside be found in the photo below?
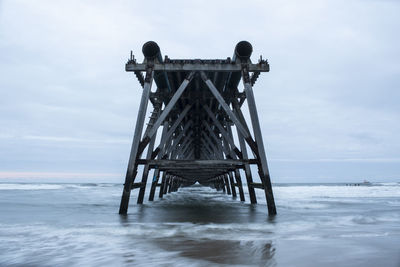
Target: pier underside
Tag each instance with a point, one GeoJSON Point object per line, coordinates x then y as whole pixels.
{"type": "Point", "coordinates": [197, 131]}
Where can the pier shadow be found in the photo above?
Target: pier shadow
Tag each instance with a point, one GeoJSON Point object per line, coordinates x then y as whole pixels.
{"type": "Point", "coordinates": [197, 206]}
{"type": "Point", "coordinates": [206, 226]}
{"type": "Point", "coordinates": [231, 252]}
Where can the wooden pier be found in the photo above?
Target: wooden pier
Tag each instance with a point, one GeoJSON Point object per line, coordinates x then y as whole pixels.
{"type": "Point", "coordinates": [203, 136]}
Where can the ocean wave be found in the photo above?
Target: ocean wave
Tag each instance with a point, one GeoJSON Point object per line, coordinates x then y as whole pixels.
{"type": "Point", "coordinates": [303, 192]}
{"type": "Point", "coordinates": [53, 186]}
{"type": "Point", "coordinates": [30, 186]}
{"type": "Point", "coordinates": [388, 184]}
{"type": "Point", "coordinates": [364, 235]}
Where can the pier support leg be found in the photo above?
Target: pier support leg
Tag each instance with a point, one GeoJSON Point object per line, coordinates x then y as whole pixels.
{"type": "Point", "coordinates": [170, 183]}
{"type": "Point", "coordinates": [146, 171]}
{"type": "Point", "coordinates": [239, 184]}
{"type": "Point", "coordinates": [132, 166]}
{"type": "Point", "coordinates": [228, 188]}
{"type": "Point", "coordinates": [222, 183]}
{"type": "Point", "coordinates": [233, 188]}
{"type": "Point", "coordinates": [161, 193]}
{"type": "Point", "coordinates": [156, 171]}
{"type": "Point", "coordinates": [247, 170]}
{"type": "Point", "coordinates": [166, 185]}
{"type": "Point", "coordinates": [154, 184]}
{"type": "Point", "coordinates": [263, 166]}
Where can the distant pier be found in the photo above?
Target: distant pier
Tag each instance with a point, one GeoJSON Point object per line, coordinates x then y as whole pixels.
{"type": "Point", "coordinates": [365, 183]}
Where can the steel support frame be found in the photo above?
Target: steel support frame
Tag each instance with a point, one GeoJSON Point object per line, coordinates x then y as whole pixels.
{"type": "Point", "coordinates": [263, 165]}
{"type": "Point", "coordinates": [132, 166]}
{"type": "Point", "coordinates": [178, 143]}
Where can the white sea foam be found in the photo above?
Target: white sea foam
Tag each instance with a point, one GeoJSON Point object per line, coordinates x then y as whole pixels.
{"type": "Point", "coordinates": [323, 191]}
{"type": "Point", "coordinates": [30, 186]}
{"type": "Point", "coordinates": [363, 235]}
{"type": "Point", "coordinates": [388, 184]}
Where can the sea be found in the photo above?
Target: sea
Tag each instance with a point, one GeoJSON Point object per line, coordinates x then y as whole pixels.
{"type": "Point", "coordinates": [72, 224]}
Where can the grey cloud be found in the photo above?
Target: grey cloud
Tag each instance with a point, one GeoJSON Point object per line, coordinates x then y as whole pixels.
{"type": "Point", "coordinates": [66, 103]}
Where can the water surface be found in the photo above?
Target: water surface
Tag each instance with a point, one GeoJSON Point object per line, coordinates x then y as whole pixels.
{"type": "Point", "coordinates": [316, 225]}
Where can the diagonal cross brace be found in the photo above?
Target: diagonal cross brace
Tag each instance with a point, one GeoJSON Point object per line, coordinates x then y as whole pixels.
{"type": "Point", "coordinates": [178, 139]}
{"type": "Point", "coordinates": [172, 129]}
{"type": "Point", "coordinates": [228, 152]}
{"type": "Point", "coordinates": [225, 106]}
{"type": "Point", "coordinates": [222, 131]}
{"type": "Point", "coordinates": [171, 104]}
{"type": "Point", "coordinates": [212, 134]}
{"type": "Point", "coordinates": [243, 129]}
{"type": "Point", "coordinates": [178, 149]}
{"type": "Point", "coordinates": [146, 138]}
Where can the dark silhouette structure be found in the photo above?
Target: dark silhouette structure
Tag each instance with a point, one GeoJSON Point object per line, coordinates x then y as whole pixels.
{"type": "Point", "coordinates": [198, 105]}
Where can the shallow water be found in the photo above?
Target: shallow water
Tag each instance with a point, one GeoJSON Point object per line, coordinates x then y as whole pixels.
{"type": "Point", "coordinates": [316, 225]}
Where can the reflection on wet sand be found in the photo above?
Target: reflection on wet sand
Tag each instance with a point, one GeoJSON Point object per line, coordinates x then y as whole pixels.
{"type": "Point", "coordinates": [203, 227]}
{"type": "Point", "coordinates": [221, 251]}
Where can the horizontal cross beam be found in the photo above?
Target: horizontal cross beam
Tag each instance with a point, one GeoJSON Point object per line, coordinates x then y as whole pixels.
{"type": "Point", "coordinates": [169, 67]}
{"type": "Point", "coordinates": [213, 162]}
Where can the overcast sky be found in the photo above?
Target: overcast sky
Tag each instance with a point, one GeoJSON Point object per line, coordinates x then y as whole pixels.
{"type": "Point", "coordinates": [329, 107]}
